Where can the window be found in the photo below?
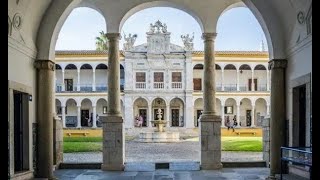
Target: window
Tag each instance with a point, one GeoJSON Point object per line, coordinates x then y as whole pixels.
{"type": "Point", "coordinates": [140, 77]}
{"type": "Point", "coordinates": [158, 77]}
{"type": "Point", "coordinates": [228, 110]}
{"type": "Point", "coordinates": [176, 76]}
{"type": "Point", "coordinates": [104, 111]}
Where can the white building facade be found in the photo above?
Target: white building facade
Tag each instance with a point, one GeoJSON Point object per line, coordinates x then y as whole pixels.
{"type": "Point", "coordinates": [162, 75]}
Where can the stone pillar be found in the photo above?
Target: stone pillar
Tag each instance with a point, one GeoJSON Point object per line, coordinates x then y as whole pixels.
{"type": "Point", "coordinates": [222, 81]}
{"type": "Point", "coordinates": [149, 115]}
{"type": "Point", "coordinates": [252, 80]}
{"type": "Point", "coordinates": [210, 122]}
{"type": "Point", "coordinates": [79, 116]}
{"type": "Point", "coordinates": [266, 140]}
{"type": "Point", "coordinates": [62, 85]}
{"type": "Point", "coordinates": [169, 123]}
{"type": "Point", "coordinates": [63, 109]}
{"type": "Point", "coordinates": [78, 83]}
{"type": "Point", "coordinates": [45, 96]}
{"type": "Point", "coordinates": [93, 80]}
{"type": "Point", "coordinates": [94, 118]}
{"type": "Point", "coordinates": [238, 115]}
{"type": "Point", "coordinates": [222, 116]}
{"type": "Point", "coordinates": [58, 141]}
{"type": "Point", "coordinates": [238, 86]}
{"type": "Point", "coordinates": [252, 116]}
{"type": "Point", "coordinates": [268, 85]}
{"type": "Point", "coordinates": [113, 130]}
{"type": "Point", "coordinates": [277, 117]}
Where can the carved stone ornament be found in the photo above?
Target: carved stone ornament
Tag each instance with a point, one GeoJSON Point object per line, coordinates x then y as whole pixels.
{"type": "Point", "coordinates": [17, 21]}
{"type": "Point", "coordinates": [300, 17]}
{"type": "Point", "coordinates": [277, 64]}
{"type": "Point", "coordinates": [44, 65]}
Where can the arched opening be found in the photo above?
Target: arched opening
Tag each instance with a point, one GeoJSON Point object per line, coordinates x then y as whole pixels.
{"type": "Point", "coordinates": [122, 76]}
{"type": "Point", "coordinates": [59, 80]}
{"type": "Point", "coordinates": [177, 118]}
{"type": "Point", "coordinates": [198, 108]}
{"type": "Point", "coordinates": [86, 113]}
{"type": "Point", "coordinates": [71, 77]}
{"type": "Point", "coordinates": [58, 107]}
{"type": "Point", "coordinates": [245, 77]}
{"type": "Point", "coordinates": [101, 78]}
{"type": "Point", "coordinates": [246, 112]}
{"type": "Point", "coordinates": [230, 78]}
{"type": "Point", "coordinates": [140, 108]}
{"type": "Point", "coordinates": [262, 75]}
{"type": "Point", "coordinates": [261, 111]}
{"type": "Point", "coordinates": [159, 103]}
{"type": "Point", "coordinates": [102, 108]}
{"type": "Point", "coordinates": [86, 78]}
{"type": "Point", "coordinates": [218, 78]}
{"type": "Point", "coordinates": [71, 113]}
{"type": "Point", "coordinates": [231, 114]}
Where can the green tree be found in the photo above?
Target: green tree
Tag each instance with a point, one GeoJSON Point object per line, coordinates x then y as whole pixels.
{"type": "Point", "coordinates": [102, 42]}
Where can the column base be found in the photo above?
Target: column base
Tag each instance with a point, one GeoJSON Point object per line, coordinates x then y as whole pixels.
{"type": "Point", "coordinates": [112, 167]}
{"type": "Point", "coordinates": [216, 166]}
{"type": "Point", "coordinates": [271, 177]}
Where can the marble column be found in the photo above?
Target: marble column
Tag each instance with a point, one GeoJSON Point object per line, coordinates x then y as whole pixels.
{"type": "Point", "coordinates": [45, 96]}
{"type": "Point", "coordinates": [210, 122]}
{"type": "Point", "coordinates": [62, 85]}
{"type": "Point", "coordinates": [238, 85]}
{"type": "Point", "coordinates": [252, 117]}
{"type": "Point", "coordinates": [278, 116]}
{"type": "Point", "coordinates": [222, 116]}
{"type": "Point", "coordinates": [238, 115]}
{"type": "Point", "coordinates": [94, 118]}
{"type": "Point", "coordinates": [79, 116]}
{"type": "Point", "coordinates": [93, 80]}
{"type": "Point", "coordinates": [268, 85]}
{"type": "Point", "coordinates": [252, 80]}
{"type": "Point", "coordinates": [113, 129]}
{"type": "Point", "coordinates": [78, 83]}
{"type": "Point", "coordinates": [149, 115]}
{"type": "Point", "coordinates": [222, 80]}
{"type": "Point", "coordinates": [63, 109]}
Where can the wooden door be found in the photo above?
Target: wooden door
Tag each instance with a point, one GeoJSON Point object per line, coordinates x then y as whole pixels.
{"type": "Point", "coordinates": [197, 86]}
{"type": "Point", "coordinates": [175, 117]}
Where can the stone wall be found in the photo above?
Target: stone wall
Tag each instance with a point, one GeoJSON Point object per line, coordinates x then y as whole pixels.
{"type": "Point", "coordinates": [266, 140]}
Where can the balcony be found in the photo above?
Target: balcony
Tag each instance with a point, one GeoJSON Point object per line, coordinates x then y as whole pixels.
{"type": "Point", "coordinates": [158, 85]}
{"type": "Point", "coordinates": [262, 87]}
{"type": "Point", "coordinates": [86, 87]}
{"type": "Point", "coordinates": [140, 85]}
{"type": "Point", "coordinates": [176, 85]}
{"type": "Point", "coordinates": [230, 87]}
{"type": "Point", "coordinates": [101, 88]}
{"type": "Point", "coordinates": [243, 87]}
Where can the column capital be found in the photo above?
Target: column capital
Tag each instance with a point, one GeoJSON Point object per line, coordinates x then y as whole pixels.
{"type": "Point", "coordinates": [209, 36]}
{"type": "Point", "coordinates": [277, 64]}
{"type": "Point", "coordinates": [113, 36]}
{"type": "Point", "coordinates": [44, 64]}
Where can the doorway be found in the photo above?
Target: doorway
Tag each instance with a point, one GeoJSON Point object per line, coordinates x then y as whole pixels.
{"type": "Point", "coordinates": [21, 131]}
{"type": "Point", "coordinates": [85, 117]}
{"type": "Point", "coordinates": [299, 116]}
{"type": "Point", "coordinates": [248, 117]}
{"type": "Point", "coordinates": [175, 117]}
{"type": "Point", "coordinates": [143, 113]}
{"type": "Point", "coordinates": [199, 112]}
{"type": "Point", "coordinates": [68, 83]}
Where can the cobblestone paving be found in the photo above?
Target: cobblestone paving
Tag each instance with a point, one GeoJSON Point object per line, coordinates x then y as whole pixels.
{"type": "Point", "coordinates": [225, 173]}
{"type": "Point", "coordinates": [162, 152]}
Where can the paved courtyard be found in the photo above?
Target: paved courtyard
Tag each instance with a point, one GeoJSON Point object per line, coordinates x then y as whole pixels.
{"type": "Point", "coordinates": [162, 152]}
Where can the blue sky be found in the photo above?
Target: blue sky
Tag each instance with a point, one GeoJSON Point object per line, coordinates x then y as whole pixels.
{"type": "Point", "coordinates": [237, 28]}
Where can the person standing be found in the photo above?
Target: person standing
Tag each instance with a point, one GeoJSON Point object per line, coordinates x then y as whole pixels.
{"type": "Point", "coordinates": [140, 121]}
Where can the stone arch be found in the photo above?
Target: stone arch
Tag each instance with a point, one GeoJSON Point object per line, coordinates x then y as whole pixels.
{"type": "Point", "coordinates": [198, 66]}
{"type": "Point", "coordinates": [176, 112]}
{"type": "Point", "coordinates": [101, 109]}
{"type": "Point", "coordinates": [146, 5]}
{"type": "Point", "coordinates": [140, 107]}
{"type": "Point", "coordinates": [260, 67]}
{"type": "Point", "coordinates": [261, 110]}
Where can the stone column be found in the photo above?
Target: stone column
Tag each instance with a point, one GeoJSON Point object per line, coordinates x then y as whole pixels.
{"type": "Point", "coordinates": [238, 86]}
{"type": "Point", "coordinates": [252, 116]}
{"type": "Point", "coordinates": [268, 85]}
{"type": "Point", "coordinates": [210, 122]}
{"type": "Point", "coordinates": [113, 130]}
{"type": "Point", "coordinates": [45, 96]}
{"type": "Point", "coordinates": [79, 116]}
{"type": "Point", "coordinates": [222, 81]}
{"type": "Point", "coordinates": [238, 115]}
{"type": "Point", "coordinates": [93, 80]}
{"type": "Point", "coordinates": [62, 85]}
{"type": "Point", "coordinates": [169, 123]}
{"type": "Point", "coordinates": [252, 80]}
{"type": "Point", "coordinates": [94, 118]}
{"type": "Point", "coordinates": [63, 109]}
{"type": "Point", "coordinates": [78, 83]}
{"type": "Point", "coordinates": [222, 116]}
{"type": "Point", "coordinates": [277, 117]}
{"type": "Point", "coordinates": [149, 115]}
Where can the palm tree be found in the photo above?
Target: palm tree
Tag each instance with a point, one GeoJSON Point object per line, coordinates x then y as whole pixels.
{"type": "Point", "coordinates": [102, 42]}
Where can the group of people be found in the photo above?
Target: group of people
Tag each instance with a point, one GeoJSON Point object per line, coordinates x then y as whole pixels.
{"type": "Point", "coordinates": [139, 120]}
{"type": "Point", "coordinates": [231, 124]}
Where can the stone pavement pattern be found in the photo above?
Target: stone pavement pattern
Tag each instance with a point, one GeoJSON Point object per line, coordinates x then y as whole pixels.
{"type": "Point", "coordinates": [162, 152]}
{"type": "Point", "coordinates": [163, 174]}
